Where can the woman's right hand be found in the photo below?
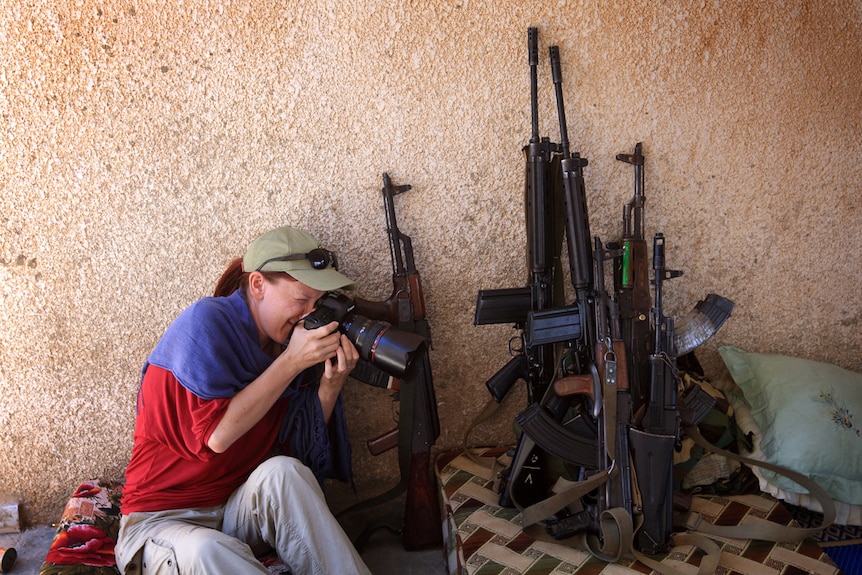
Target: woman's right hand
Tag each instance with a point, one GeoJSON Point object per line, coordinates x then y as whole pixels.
{"type": "Point", "coordinates": [308, 347]}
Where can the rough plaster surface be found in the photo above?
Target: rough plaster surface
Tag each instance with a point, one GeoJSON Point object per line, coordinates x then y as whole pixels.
{"type": "Point", "coordinates": [144, 144]}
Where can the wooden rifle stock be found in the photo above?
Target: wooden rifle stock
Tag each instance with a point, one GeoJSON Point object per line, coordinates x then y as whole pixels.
{"type": "Point", "coordinates": [421, 507]}
{"type": "Point", "coordinates": [422, 516]}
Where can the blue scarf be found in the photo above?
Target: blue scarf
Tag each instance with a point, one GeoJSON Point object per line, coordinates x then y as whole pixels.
{"type": "Point", "coordinates": [213, 350]}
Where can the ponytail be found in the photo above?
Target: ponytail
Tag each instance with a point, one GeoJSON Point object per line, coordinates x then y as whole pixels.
{"type": "Point", "coordinates": [232, 279]}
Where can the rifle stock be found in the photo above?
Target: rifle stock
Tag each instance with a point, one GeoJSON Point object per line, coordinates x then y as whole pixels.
{"type": "Point", "coordinates": [422, 512]}
{"type": "Point", "coordinates": [422, 521]}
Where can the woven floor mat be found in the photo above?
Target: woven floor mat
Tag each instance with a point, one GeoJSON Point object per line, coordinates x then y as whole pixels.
{"type": "Point", "coordinates": [484, 539]}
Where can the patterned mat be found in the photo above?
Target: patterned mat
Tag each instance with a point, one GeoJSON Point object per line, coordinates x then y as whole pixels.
{"type": "Point", "coordinates": [484, 539]}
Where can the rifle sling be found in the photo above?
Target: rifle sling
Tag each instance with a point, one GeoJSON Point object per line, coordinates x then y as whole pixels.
{"type": "Point", "coordinates": [566, 493]}
{"type": "Point", "coordinates": [765, 531]}
{"type": "Point", "coordinates": [405, 451]}
{"type": "Point", "coordinates": [487, 464]}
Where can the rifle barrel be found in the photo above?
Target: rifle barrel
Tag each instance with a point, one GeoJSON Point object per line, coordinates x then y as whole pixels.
{"type": "Point", "coordinates": [557, 77]}
{"type": "Point", "coordinates": [533, 51]}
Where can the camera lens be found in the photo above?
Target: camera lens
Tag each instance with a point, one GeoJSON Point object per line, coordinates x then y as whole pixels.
{"type": "Point", "coordinates": [387, 348]}
{"type": "Point", "coordinates": [392, 350]}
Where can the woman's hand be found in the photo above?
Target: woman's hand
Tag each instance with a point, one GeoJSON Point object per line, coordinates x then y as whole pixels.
{"type": "Point", "coordinates": [305, 348]}
{"type": "Point", "coordinates": [335, 372]}
{"type": "Point", "coordinates": [308, 347]}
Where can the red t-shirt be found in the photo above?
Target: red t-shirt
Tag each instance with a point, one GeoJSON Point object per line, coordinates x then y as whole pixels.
{"type": "Point", "coordinates": [171, 466]}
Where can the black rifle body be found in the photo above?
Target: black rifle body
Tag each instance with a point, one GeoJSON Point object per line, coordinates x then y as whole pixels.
{"type": "Point", "coordinates": [532, 361]}
{"type": "Point", "coordinates": [541, 422]}
{"type": "Point", "coordinates": [654, 443]}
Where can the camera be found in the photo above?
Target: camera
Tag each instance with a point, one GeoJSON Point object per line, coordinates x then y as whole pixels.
{"type": "Point", "coordinates": [386, 347]}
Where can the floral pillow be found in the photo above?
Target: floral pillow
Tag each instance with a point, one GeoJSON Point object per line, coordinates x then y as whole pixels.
{"type": "Point", "coordinates": [810, 416]}
{"type": "Point", "coordinates": [87, 532]}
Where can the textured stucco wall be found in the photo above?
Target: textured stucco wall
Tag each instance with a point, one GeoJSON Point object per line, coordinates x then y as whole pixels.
{"type": "Point", "coordinates": [144, 144]}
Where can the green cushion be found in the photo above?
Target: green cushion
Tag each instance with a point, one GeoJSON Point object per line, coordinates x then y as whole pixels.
{"type": "Point", "coordinates": [810, 416]}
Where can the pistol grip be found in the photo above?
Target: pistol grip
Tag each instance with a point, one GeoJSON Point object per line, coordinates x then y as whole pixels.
{"type": "Point", "coordinates": [575, 385]}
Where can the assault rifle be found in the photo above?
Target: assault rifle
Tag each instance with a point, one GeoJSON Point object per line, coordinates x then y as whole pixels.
{"type": "Point", "coordinates": [632, 292]}
{"type": "Point", "coordinates": [531, 361]}
{"type": "Point", "coordinates": [575, 327]}
{"type": "Point", "coordinates": [607, 390]}
{"type": "Point", "coordinates": [419, 426]}
{"type": "Point", "coordinates": [631, 282]}
{"type": "Point", "coordinates": [653, 445]}
{"type": "Point", "coordinates": [536, 309]}
{"type": "Point", "coordinates": [611, 358]}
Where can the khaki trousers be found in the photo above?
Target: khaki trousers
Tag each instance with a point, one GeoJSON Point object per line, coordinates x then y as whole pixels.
{"type": "Point", "coordinates": [280, 506]}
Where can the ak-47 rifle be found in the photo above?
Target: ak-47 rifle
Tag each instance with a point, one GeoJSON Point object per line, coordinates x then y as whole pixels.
{"type": "Point", "coordinates": [631, 282]}
{"type": "Point", "coordinates": [632, 292]}
{"type": "Point", "coordinates": [653, 445]}
{"type": "Point", "coordinates": [611, 359]}
{"type": "Point", "coordinates": [607, 389]}
{"type": "Point", "coordinates": [418, 427]}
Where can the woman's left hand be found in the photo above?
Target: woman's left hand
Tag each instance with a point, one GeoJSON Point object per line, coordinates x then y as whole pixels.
{"type": "Point", "coordinates": [335, 372]}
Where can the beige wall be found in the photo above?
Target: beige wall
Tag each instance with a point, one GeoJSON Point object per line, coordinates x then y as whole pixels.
{"type": "Point", "coordinates": [144, 144]}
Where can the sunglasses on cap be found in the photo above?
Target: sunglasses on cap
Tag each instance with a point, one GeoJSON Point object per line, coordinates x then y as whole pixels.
{"type": "Point", "coordinates": [320, 259]}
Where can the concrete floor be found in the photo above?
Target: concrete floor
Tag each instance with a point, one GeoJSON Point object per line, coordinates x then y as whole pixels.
{"type": "Point", "coordinates": [31, 546]}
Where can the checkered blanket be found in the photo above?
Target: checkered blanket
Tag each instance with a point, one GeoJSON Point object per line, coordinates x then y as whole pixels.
{"type": "Point", "coordinates": [482, 537]}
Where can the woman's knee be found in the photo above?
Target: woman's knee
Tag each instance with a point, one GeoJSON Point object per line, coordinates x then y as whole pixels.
{"type": "Point", "coordinates": [207, 549]}
{"type": "Point", "coordinates": [283, 471]}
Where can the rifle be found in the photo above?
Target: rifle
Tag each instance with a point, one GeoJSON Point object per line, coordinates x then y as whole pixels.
{"type": "Point", "coordinates": [419, 426]}
{"type": "Point", "coordinates": [632, 292]}
{"type": "Point", "coordinates": [534, 309]}
{"type": "Point", "coordinates": [531, 361]}
{"type": "Point", "coordinates": [574, 325]}
{"type": "Point", "coordinates": [607, 388]}
{"type": "Point", "coordinates": [653, 446]}
{"type": "Point", "coordinates": [631, 282]}
{"type": "Point", "coordinates": [611, 359]}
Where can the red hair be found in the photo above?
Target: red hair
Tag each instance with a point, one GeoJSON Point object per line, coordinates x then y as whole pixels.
{"type": "Point", "coordinates": [235, 278]}
{"type": "Point", "coordinates": [232, 279]}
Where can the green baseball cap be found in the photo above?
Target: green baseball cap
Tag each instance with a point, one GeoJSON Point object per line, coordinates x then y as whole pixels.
{"type": "Point", "coordinates": [297, 254]}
